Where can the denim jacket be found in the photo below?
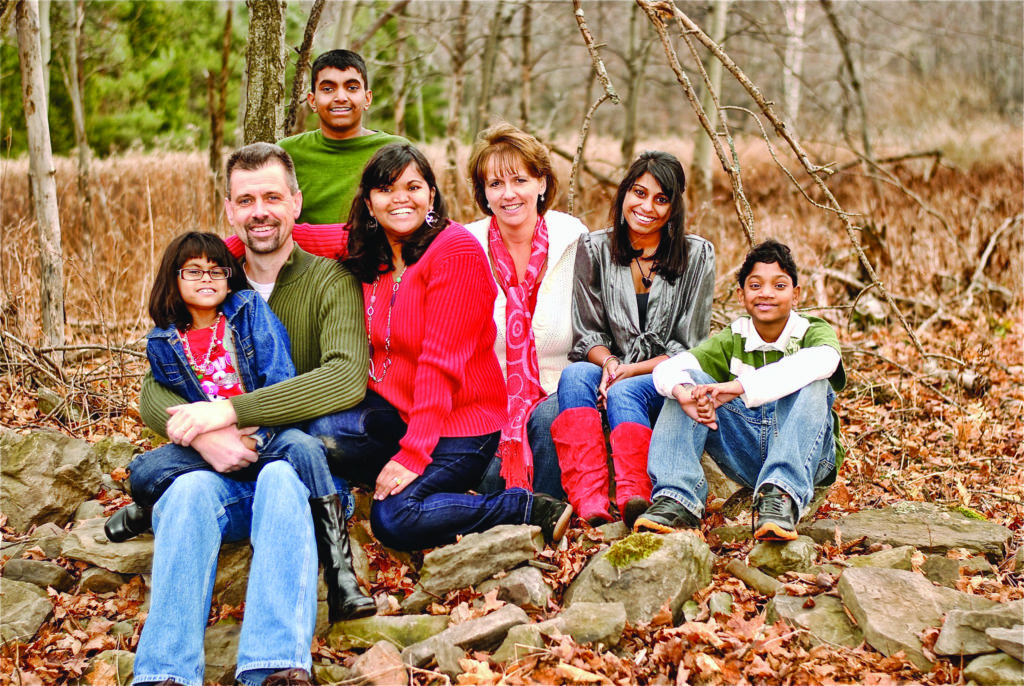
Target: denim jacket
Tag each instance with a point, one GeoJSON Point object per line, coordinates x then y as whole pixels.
{"type": "Point", "coordinates": [262, 352]}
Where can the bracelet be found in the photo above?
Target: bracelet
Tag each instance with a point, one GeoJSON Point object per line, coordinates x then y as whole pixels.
{"type": "Point", "coordinates": [608, 359]}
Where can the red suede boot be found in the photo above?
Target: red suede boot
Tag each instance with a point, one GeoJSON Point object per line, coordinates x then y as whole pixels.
{"type": "Point", "coordinates": [579, 442]}
{"type": "Point", "coordinates": [630, 443]}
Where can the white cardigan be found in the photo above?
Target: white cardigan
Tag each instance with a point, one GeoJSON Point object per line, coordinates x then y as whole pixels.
{"type": "Point", "coordinates": [552, 319]}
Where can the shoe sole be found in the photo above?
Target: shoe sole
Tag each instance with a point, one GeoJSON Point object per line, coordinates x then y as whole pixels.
{"type": "Point", "coordinates": [643, 524]}
{"type": "Point", "coordinates": [770, 531]}
{"type": "Point", "coordinates": [562, 525]}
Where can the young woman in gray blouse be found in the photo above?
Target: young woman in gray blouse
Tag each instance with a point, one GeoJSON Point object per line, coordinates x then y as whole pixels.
{"type": "Point", "coordinates": [642, 293]}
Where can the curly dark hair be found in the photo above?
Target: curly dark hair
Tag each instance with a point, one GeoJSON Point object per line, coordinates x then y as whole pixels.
{"type": "Point", "coordinates": [769, 251]}
{"type": "Point", "coordinates": [670, 259]}
{"type": "Point", "coordinates": [369, 253]}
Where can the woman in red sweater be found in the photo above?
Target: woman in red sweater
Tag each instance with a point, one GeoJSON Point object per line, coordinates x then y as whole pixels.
{"type": "Point", "coordinates": [436, 390]}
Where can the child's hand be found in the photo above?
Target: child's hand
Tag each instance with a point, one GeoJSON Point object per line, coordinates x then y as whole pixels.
{"type": "Point", "coordinates": [699, 408]}
{"type": "Point", "coordinates": [189, 421]}
{"type": "Point", "coordinates": [721, 393]}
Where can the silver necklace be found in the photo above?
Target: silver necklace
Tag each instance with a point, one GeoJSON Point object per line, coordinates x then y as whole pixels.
{"type": "Point", "coordinates": [370, 309]}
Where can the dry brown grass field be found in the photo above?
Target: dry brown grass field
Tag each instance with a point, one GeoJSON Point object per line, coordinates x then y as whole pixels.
{"type": "Point", "coordinates": [944, 427]}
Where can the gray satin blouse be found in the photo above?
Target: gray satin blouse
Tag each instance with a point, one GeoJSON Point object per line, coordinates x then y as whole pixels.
{"type": "Point", "coordinates": [604, 309]}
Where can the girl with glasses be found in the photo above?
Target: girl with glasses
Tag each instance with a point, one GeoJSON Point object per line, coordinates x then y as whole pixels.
{"type": "Point", "coordinates": [215, 338]}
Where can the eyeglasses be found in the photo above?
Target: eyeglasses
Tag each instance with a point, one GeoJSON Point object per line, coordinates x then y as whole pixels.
{"type": "Point", "coordinates": [193, 274]}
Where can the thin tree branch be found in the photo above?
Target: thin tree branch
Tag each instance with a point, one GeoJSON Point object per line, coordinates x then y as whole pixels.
{"type": "Point", "coordinates": [577, 158]}
{"type": "Point", "coordinates": [298, 84]}
{"type": "Point", "coordinates": [357, 44]}
{"type": "Point", "coordinates": [595, 58]}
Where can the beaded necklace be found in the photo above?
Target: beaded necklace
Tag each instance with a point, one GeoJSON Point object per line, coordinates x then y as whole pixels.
{"type": "Point", "coordinates": [387, 331]}
{"type": "Point", "coordinates": [202, 370]}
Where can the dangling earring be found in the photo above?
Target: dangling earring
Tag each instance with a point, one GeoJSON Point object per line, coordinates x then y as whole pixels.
{"type": "Point", "coordinates": [371, 223]}
{"type": "Point", "coordinates": [542, 198]}
{"type": "Point", "coordinates": [432, 219]}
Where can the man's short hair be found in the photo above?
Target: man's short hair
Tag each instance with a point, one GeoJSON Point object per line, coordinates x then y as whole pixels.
{"type": "Point", "coordinates": [258, 155]}
{"type": "Point", "coordinates": [768, 252]}
{"type": "Point", "coordinates": [341, 60]}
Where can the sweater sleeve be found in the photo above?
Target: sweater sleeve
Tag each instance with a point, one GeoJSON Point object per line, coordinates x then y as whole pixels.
{"type": "Point", "coordinates": [326, 240]}
{"type": "Point", "coordinates": [154, 399]}
{"type": "Point", "coordinates": [340, 380]}
{"type": "Point", "coordinates": [451, 311]}
{"type": "Point", "coordinates": [788, 375]}
{"type": "Point", "coordinates": [589, 325]}
{"type": "Point", "coordinates": [674, 371]}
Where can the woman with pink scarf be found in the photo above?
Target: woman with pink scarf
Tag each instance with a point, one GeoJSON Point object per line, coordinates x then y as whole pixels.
{"type": "Point", "coordinates": [532, 252]}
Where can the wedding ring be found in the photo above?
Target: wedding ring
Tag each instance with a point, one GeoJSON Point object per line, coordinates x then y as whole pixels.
{"type": "Point", "coordinates": [398, 482]}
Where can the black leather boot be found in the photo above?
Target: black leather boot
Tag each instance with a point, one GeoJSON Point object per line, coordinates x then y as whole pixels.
{"type": "Point", "coordinates": [345, 600]}
{"type": "Point", "coordinates": [128, 522]}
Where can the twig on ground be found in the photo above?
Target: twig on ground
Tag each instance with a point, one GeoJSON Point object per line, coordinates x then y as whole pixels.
{"type": "Point", "coordinates": [906, 370]}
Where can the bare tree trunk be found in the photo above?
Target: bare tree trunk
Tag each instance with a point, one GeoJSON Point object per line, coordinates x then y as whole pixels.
{"type": "Point", "coordinates": [46, 54]}
{"type": "Point", "coordinates": [844, 46]}
{"type": "Point", "coordinates": [701, 169]}
{"type": "Point", "coordinates": [795, 12]}
{"type": "Point", "coordinates": [346, 15]}
{"type": "Point", "coordinates": [636, 66]}
{"type": "Point", "coordinates": [526, 66]}
{"type": "Point", "coordinates": [458, 84]}
{"type": "Point", "coordinates": [299, 82]}
{"type": "Point", "coordinates": [217, 102]}
{"type": "Point", "coordinates": [490, 59]}
{"type": "Point", "coordinates": [75, 88]}
{"type": "Point", "coordinates": [401, 78]}
{"type": "Point", "coordinates": [42, 174]}
{"type": "Point", "coordinates": [264, 68]}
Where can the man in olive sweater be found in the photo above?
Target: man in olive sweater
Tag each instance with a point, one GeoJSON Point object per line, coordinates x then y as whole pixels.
{"type": "Point", "coordinates": [320, 304]}
{"type": "Point", "coordinates": [329, 160]}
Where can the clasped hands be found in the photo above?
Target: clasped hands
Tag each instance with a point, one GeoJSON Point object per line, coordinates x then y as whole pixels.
{"type": "Point", "coordinates": [209, 427]}
{"type": "Point", "coordinates": [700, 401]}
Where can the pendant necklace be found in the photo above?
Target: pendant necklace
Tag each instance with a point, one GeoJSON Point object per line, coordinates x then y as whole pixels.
{"type": "Point", "coordinates": [202, 370]}
{"type": "Point", "coordinates": [647, 279]}
{"type": "Point", "coordinates": [370, 309]}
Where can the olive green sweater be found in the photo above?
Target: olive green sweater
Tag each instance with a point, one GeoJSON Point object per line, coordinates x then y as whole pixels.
{"type": "Point", "coordinates": [321, 305]}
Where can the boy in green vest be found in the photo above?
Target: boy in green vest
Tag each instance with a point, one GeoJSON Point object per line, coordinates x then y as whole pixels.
{"type": "Point", "coordinates": [757, 396]}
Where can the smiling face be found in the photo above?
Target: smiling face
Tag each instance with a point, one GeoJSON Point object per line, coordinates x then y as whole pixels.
{"type": "Point", "coordinates": [262, 209]}
{"type": "Point", "coordinates": [768, 295]}
{"type": "Point", "coordinates": [203, 297]}
{"type": "Point", "coordinates": [401, 207]}
{"type": "Point", "coordinates": [645, 208]}
{"type": "Point", "coordinates": [512, 194]}
{"type": "Point", "coordinates": [340, 98]}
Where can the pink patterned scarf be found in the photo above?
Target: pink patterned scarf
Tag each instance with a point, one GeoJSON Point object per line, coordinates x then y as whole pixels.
{"type": "Point", "coordinates": [521, 366]}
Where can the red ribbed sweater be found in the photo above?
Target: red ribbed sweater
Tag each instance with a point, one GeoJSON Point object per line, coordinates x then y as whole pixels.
{"type": "Point", "coordinates": [444, 377]}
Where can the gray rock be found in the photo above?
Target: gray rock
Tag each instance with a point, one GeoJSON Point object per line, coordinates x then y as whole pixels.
{"type": "Point", "coordinates": [402, 631]}
{"type": "Point", "coordinates": [732, 534]}
{"type": "Point", "coordinates": [447, 657]}
{"type": "Point", "coordinates": [776, 558]}
{"type": "Point", "coordinates": [1010, 641]}
{"type": "Point", "coordinates": [927, 527]}
{"type": "Point", "coordinates": [719, 485]}
{"type": "Point", "coordinates": [995, 670]}
{"type": "Point", "coordinates": [114, 451]}
{"type": "Point", "coordinates": [381, 665]}
{"type": "Point", "coordinates": [893, 558]}
{"type": "Point", "coordinates": [520, 642]}
{"type": "Point", "coordinates": [824, 622]}
{"type": "Point", "coordinates": [44, 477]}
{"type": "Point", "coordinates": [49, 538]}
{"type": "Point", "coordinates": [330, 673]}
{"type": "Point", "coordinates": [691, 611]}
{"type": "Point", "coordinates": [892, 607]}
{"type": "Point", "coordinates": [656, 570]}
{"type": "Point", "coordinates": [99, 580]}
{"type": "Point", "coordinates": [1018, 560]}
{"type": "Point", "coordinates": [221, 646]}
{"type": "Point", "coordinates": [484, 633]}
{"type": "Point", "coordinates": [600, 623]}
{"type": "Point", "coordinates": [720, 603]}
{"type": "Point", "coordinates": [25, 608]}
{"type": "Point", "coordinates": [613, 531]}
{"type": "Point", "coordinates": [523, 586]}
{"type": "Point", "coordinates": [110, 667]}
{"type": "Point", "coordinates": [40, 573]}
{"type": "Point", "coordinates": [87, 542]}
{"type": "Point", "coordinates": [90, 509]}
{"type": "Point", "coordinates": [942, 570]}
{"type": "Point", "coordinates": [473, 559]}
{"type": "Point", "coordinates": [964, 631]}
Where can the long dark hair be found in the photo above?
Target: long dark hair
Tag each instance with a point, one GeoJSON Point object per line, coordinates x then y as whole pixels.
{"type": "Point", "coordinates": [166, 306]}
{"type": "Point", "coordinates": [369, 253]}
{"type": "Point", "coordinates": [672, 254]}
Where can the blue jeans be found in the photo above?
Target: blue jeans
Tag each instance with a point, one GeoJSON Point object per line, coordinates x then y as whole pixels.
{"type": "Point", "coordinates": [787, 443]}
{"type": "Point", "coordinates": [199, 511]}
{"type": "Point", "coordinates": [152, 472]}
{"type": "Point", "coordinates": [547, 475]}
{"type": "Point", "coordinates": [434, 509]}
{"type": "Point", "coordinates": [631, 400]}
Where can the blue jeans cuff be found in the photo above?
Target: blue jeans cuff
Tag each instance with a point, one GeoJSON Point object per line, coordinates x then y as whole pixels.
{"type": "Point", "coordinates": [694, 508]}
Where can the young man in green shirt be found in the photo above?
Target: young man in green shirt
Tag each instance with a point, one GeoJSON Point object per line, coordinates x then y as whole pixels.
{"type": "Point", "coordinates": [329, 160]}
{"type": "Point", "coordinates": [758, 397]}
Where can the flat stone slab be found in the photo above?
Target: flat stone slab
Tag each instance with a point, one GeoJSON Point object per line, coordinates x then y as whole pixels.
{"type": "Point", "coordinates": [927, 527]}
{"type": "Point", "coordinates": [893, 607]}
{"type": "Point", "coordinates": [485, 633]}
{"type": "Point", "coordinates": [963, 633]}
{"type": "Point", "coordinates": [401, 632]}
{"type": "Point", "coordinates": [825, 621]}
